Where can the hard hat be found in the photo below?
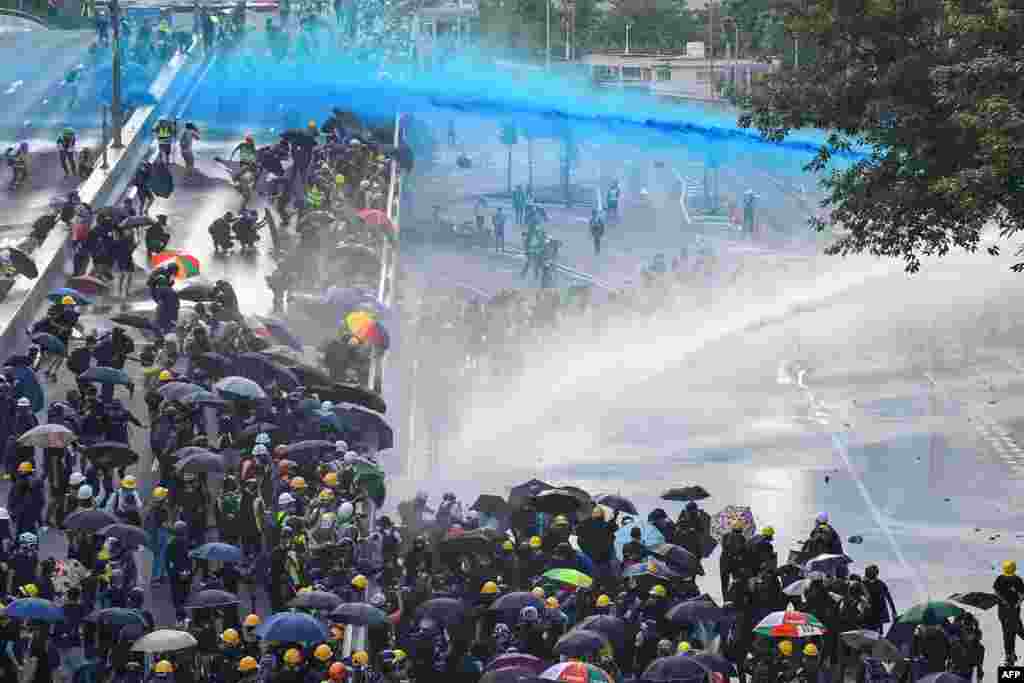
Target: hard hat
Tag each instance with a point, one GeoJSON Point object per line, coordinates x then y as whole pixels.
{"type": "Point", "coordinates": [399, 655]}
{"type": "Point", "coordinates": [159, 493]}
{"type": "Point", "coordinates": [603, 601]}
{"type": "Point", "coordinates": [263, 438]}
{"type": "Point", "coordinates": [331, 479]}
{"type": "Point", "coordinates": [68, 301]}
{"type": "Point", "coordinates": [312, 124]}
{"type": "Point", "coordinates": [1009, 567]}
{"type": "Point", "coordinates": [230, 636]}
{"type": "Point", "coordinates": [508, 545]}
{"type": "Point", "coordinates": [292, 656]}
{"type": "Point", "coordinates": [489, 588]}
{"type": "Point", "coordinates": [4, 514]}
{"type": "Point", "coordinates": [378, 600]}
{"type": "Point", "coordinates": [339, 179]}
{"type": "Point", "coordinates": [297, 483]}
{"type": "Point", "coordinates": [341, 446]}
{"type": "Point", "coordinates": [26, 468]}
{"type": "Point", "coordinates": [560, 520]}
{"type": "Point", "coordinates": [129, 482]}
{"type": "Point", "coordinates": [23, 403]}
{"type": "Point", "coordinates": [252, 620]}
{"type": "Point", "coordinates": [551, 603]}
{"type": "Point", "coordinates": [323, 652]}
{"type": "Point", "coordinates": [285, 499]}
{"type": "Point", "coordinates": [326, 407]}
{"type": "Point", "coordinates": [345, 511]}
{"type": "Point", "coordinates": [810, 650]}
{"type": "Point", "coordinates": [658, 591]}
{"type": "Point", "coordinates": [535, 542]}
{"type": "Point", "coordinates": [248, 664]}
{"type": "Point", "coordinates": [28, 538]}
{"type": "Point", "coordinates": [84, 492]}
{"type": "Point", "coordinates": [165, 376]}
{"type": "Point", "coordinates": [768, 532]}
{"type": "Point", "coordinates": [359, 582]}
{"type": "Point", "coordinates": [76, 479]}
{"type": "Point", "coordinates": [337, 672]}
{"type": "Point", "coordinates": [163, 667]}
{"type": "Point", "coordinates": [360, 658]}
{"type": "Point", "coordinates": [259, 450]}
{"type": "Point", "coordinates": [786, 648]}
{"type": "Point", "coordinates": [738, 525]}
{"type": "Point", "coordinates": [539, 592]}
{"type": "Point", "coordinates": [30, 590]}
{"type": "Point", "coordinates": [326, 495]}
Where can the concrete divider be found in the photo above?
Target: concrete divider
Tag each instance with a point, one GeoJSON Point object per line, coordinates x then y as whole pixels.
{"type": "Point", "coordinates": [173, 85]}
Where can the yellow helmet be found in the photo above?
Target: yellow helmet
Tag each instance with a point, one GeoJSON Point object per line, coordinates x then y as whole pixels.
{"type": "Point", "coordinates": [323, 652]}
{"type": "Point", "coordinates": [1009, 567]}
{"type": "Point", "coordinates": [165, 376]}
{"type": "Point", "coordinates": [252, 620]}
{"type": "Point", "coordinates": [67, 301]}
{"type": "Point", "coordinates": [306, 589]}
{"type": "Point", "coordinates": [331, 479]}
{"type": "Point", "coordinates": [292, 656]}
{"type": "Point", "coordinates": [539, 592]}
{"type": "Point", "coordinates": [359, 582]}
{"type": "Point", "coordinates": [768, 532]}
{"type": "Point", "coordinates": [312, 124]}
{"type": "Point", "coordinates": [551, 603]}
{"type": "Point", "coordinates": [248, 664]}
{"type": "Point", "coordinates": [30, 590]}
{"type": "Point", "coordinates": [682, 648]}
{"type": "Point", "coordinates": [230, 636]}
{"type": "Point", "coordinates": [339, 179]}
{"type": "Point", "coordinates": [129, 482]}
{"type": "Point", "coordinates": [603, 601]}
{"type": "Point", "coordinates": [26, 468]}
{"type": "Point", "coordinates": [786, 648]}
{"type": "Point", "coordinates": [326, 495]}
{"type": "Point", "coordinates": [738, 525]}
{"type": "Point", "coordinates": [297, 483]}
{"type": "Point", "coordinates": [164, 667]}
{"type": "Point", "coordinates": [508, 546]}
{"type": "Point", "coordinates": [159, 493]}
{"type": "Point", "coordinates": [810, 650]}
{"type": "Point", "coordinates": [360, 658]}
{"type": "Point", "coordinates": [535, 542]}
{"type": "Point", "coordinates": [560, 520]}
{"type": "Point", "coordinates": [399, 655]}
{"type": "Point", "coordinates": [489, 588]}
{"type": "Point", "coordinates": [659, 591]}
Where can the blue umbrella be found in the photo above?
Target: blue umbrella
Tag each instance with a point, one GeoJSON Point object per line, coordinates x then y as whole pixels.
{"type": "Point", "coordinates": [364, 421]}
{"type": "Point", "coordinates": [61, 292]}
{"type": "Point", "coordinates": [292, 627]}
{"type": "Point", "coordinates": [240, 389]}
{"type": "Point", "coordinates": [649, 535]}
{"type": "Point", "coordinates": [34, 609]}
{"type": "Point", "coordinates": [262, 370]}
{"type": "Point", "coordinates": [106, 375]}
{"type": "Point", "coordinates": [26, 385]}
{"type": "Point", "coordinates": [651, 567]}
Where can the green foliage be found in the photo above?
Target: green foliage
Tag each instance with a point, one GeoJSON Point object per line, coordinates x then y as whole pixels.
{"type": "Point", "coordinates": [940, 111]}
{"type": "Point", "coordinates": [655, 24]}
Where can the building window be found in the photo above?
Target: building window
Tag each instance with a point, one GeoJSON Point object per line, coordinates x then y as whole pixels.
{"type": "Point", "coordinates": [664, 73]}
{"type": "Point", "coordinates": [605, 73]}
{"type": "Point", "coordinates": [632, 73]}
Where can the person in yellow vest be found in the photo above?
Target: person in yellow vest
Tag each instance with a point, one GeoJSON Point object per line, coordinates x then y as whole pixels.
{"type": "Point", "coordinates": [164, 130]}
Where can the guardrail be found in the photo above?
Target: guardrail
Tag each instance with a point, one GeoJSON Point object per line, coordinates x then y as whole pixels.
{"type": "Point", "coordinates": [8, 12]}
{"type": "Point", "coordinates": [175, 83]}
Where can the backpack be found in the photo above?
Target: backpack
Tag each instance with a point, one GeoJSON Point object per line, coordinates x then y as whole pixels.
{"type": "Point", "coordinates": [231, 505]}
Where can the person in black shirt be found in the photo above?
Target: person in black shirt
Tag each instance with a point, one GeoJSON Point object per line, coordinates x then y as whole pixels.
{"type": "Point", "coordinates": [1010, 589]}
{"type": "Point", "coordinates": [881, 608]}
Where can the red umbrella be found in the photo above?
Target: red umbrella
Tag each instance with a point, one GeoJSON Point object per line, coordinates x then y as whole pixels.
{"type": "Point", "coordinates": [376, 217]}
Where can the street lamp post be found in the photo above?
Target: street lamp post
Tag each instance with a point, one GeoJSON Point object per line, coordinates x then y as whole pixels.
{"type": "Point", "coordinates": [628, 27]}
{"type": "Point", "coordinates": [547, 25]}
{"type": "Point", "coordinates": [116, 115]}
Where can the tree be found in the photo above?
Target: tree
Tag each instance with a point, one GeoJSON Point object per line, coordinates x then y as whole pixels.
{"type": "Point", "coordinates": [936, 96]}
{"type": "Point", "coordinates": [655, 24]}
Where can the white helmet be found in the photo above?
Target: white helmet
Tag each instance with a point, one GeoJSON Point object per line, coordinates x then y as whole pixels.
{"type": "Point", "coordinates": [84, 492]}
{"type": "Point", "coordinates": [285, 499]}
{"type": "Point", "coordinates": [350, 455]}
{"type": "Point", "coordinates": [259, 450]}
{"type": "Point", "coordinates": [345, 511]}
{"type": "Point", "coordinates": [4, 514]}
{"type": "Point", "coordinates": [77, 479]}
{"type": "Point", "coordinates": [262, 438]}
{"type": "Point", "coordinates": [24, 402]}
{"type": "Point", "coordinates": [378, 600]}
{"type": "Point", "coordinates": [340, 446]}
{"type": "Point", "coordinates": [326, 407]}
{"type": "Point", "coordinates": [28, 538]}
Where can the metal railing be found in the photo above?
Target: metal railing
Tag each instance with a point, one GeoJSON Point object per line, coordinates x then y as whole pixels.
{"type": "Point", "coordinates": [8, 12]}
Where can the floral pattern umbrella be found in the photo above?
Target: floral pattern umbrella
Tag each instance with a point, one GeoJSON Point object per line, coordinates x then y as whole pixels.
{"type": "Point", "coordinates": [576, 672]}
{"type": "Point", "coordinates": [790, 624]}
{"type": "Point", "coordinates": [722, 522]}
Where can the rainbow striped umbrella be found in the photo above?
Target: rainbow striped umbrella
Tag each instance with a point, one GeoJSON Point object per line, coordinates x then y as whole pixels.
{"type": "Point", "coordinates": [790, 624]}
{"type": "Point", "coordinates": [188, 265]}
{"type": "Point", "coordinates": [366, 328]}
{"type": "Point", "coordinates": [576, 672]}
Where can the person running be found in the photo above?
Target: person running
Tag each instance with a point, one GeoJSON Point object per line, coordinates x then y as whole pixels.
{"type": "Point", "coordinates": [66, 150]}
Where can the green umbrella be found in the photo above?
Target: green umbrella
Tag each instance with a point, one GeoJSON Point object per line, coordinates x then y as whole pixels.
{"type": "Point", "coordinates": [930, 613]}
{"type": "Point", "coordinates": [570, 577]}
{"type": "Point", "coordinates": [370, 479]}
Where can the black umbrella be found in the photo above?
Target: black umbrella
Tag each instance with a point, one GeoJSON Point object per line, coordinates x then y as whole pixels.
{"type": "Point", "coordinates": [321, 600]}
{"type": "Point", "coordinates": [447, 611]}
{"type": "Point", "coordinates": [942, 677]}
{"type": "Point", "coordinates": [513, 674]}
{"type": "Point", "coordinates": [677, 557]}
{"type": "Point", "coordinates": [490, 505]}
{"type": "Point", "coordinates": [310, 375]}
{"type": "Point", "coordinates": [612, 628]}
{"type": "Point", "coordinates": [527, 490]}
{"type": "Point", "coordinates": [556, 501]}
{"type": "Point", "coordinates": [350, 393]}
{"type": "Point", "coordinates": [366, 422]}
{"type": "Point", "coordinates": [673, 669]}
{"type": "Point", "coordinates": [115, 616]}
{"type": "Point", "coordinates": [186, 452]}
{"type": "Point", "coordinates": [261, 369]}
{"type": "Point", "coordinates": [517, 601]}
{"type": "Point", "coordinates": [129, 534]}
{"type": "Point", "coordinates": [212, 598]}
{"type": "Point", "coordinates": [695, 612]}
{"type": "Point", "coordinates": [715, 663]}
{"type": "Point", "coordinates": [977, 599]}
{"type": "Point", "coordinates": [254, 430]}
{"type": "Point", "coordinates": [89, 521]}
{"type": "Point", "coordinates": [618, 504]}
{"type": "Point", "coordinates": [686, 493]}
{"type": "Point", "coordinates": [140, 321]}
{"type": "Point", "coordinates": [200, 463]}
{"type": "Point", "coordinates": [50, 343]}
{"type": "Point", "coordinates": [22, 263]}
{"type": "Point", "coordinates": [215, 364]}
{"type": "Point", "coordinates": [111, 454]}
{"type": "Point", "coordinates": [476, 542]}
{"type": "Point", "coordinates": [359, 614]}
{"type": "Point", "coordinates": [197, 292]}
{"type": "Point", "coordinates": [580, 643]}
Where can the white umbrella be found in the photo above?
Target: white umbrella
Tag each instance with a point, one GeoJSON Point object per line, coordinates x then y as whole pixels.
{"type": "Point", "coordinates": [164, 640]}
